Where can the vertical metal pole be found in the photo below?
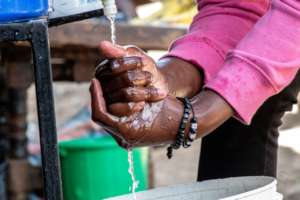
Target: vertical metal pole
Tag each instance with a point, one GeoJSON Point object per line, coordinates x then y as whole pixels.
{"type": "Point", "coordinates": [46, 112]}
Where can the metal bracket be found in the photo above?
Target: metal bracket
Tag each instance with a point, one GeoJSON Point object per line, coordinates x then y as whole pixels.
{"type": "Point", "coordinates": [36, 32]}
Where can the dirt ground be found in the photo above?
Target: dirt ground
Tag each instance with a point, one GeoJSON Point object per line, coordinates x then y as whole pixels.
{"type": "Point", "coordinates": [183, 168]}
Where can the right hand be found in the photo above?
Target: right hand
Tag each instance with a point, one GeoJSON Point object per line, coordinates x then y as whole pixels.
{"type": "Point", "coordinates": [129, 78]}
{"type": "Point", "coordinates": [156, 124]}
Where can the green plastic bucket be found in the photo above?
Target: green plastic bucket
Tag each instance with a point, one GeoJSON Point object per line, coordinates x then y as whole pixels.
{"type": "Point", "coordinates": [97, 168]}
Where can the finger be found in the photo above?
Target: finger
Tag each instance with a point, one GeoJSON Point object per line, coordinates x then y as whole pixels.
{"type": "Point", "coordinates": [109, 50]}
{"type": "Point", "coordinates": [99, 111]}
{"type": "Point", "coordinates": [108, 68]}
{"type": "Point", "coordinates": [126, 109]}
{"type": "Point", "coordinates": [137, 94]}
{"type": "Point", "coordinates": [124, 64]}
{"type": "Point", "coordinates": [127, 79]}
{"type": "Point", "coordinates": [132, 50]}
{"type": "Point", "coordinates": [102, 68]}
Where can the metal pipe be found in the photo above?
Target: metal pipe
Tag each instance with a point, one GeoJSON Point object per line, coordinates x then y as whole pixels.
{"type": "Point", "coordinates": [46, 112]}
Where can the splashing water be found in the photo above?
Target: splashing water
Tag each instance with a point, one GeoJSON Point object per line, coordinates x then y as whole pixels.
{"type": "Point", "coordinates": [135, 183]}
{"type": "Point", "coordinates": [112, 29]}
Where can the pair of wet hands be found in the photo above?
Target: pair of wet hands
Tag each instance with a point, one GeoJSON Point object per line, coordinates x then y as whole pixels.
{"type": "Point", "coordinates": [128, 94]}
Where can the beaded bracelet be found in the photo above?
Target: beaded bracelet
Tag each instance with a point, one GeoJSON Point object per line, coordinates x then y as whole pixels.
{"type": "Point", "coordinates": [180, 134]}
{"type": "Point", "coordinates": [180, 140]}
{"type": "Point", "coordinates": [193, 128]}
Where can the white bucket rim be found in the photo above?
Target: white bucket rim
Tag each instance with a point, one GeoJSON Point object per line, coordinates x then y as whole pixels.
{"type": "Point", "coordinates": [266, 184]}
{"type": "Point", "coordinates": [271, 185]}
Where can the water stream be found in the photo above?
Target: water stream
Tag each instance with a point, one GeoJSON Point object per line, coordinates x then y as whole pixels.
{"type": "Point", "coordinates": [135, 183]}
{"type": "Point", "coordinates": [112, 29]}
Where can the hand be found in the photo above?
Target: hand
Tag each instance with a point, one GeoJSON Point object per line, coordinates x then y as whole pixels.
{"type": "Point", "coordinates": [129, 78]}
{"type": "Point", "coordinates": [157, 123]}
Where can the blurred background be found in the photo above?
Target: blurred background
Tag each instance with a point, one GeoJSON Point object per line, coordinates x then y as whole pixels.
{"type": "Point", "coordinates": [85, 151]}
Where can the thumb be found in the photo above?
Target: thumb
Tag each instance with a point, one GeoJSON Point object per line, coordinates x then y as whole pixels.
{"type": "Point", "coordinates": [132, 50]}
{"type": "Point", "coordinates": [109, 50]}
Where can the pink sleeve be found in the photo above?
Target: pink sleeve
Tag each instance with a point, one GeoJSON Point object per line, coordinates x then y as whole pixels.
{"type": "Point", "coordinates": [264, 62]}
{"type": "Point", "coordinates": [217, 28]}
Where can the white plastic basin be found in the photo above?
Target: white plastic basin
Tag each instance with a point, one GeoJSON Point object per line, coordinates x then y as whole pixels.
{"type": "Point", "coordinates": [245, 188]}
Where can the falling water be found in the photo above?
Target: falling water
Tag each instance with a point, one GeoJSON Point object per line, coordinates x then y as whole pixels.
{"type": "Point", "coordinates": [112, 29]}
{"type": "Point", "coordinates": [135, 183]}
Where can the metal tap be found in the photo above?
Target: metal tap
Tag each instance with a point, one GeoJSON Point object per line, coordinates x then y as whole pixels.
{"type": "Point", "coordinates": [65, 11]}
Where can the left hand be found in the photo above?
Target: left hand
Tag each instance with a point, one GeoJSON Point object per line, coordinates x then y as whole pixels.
{"type": "Point", "coordinates": [157, 123]}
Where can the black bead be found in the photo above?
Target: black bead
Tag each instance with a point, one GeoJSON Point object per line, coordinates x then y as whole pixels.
{"type": "Point", "coordinates": [188, 106]}
{"type": "Point", "coordinates": [181, 131]}
{"type": "Point", "coordinates": [180, 138]}
{"type": "Point", "coordinates": [186, 116]}
{"type": "Point", "coordinates": [186, 145]}
{"type": "Point", "coordinates": [169, 152]}
{"type": "Point", "coordinates": [179, 141]}
{"type": "Point", "coordinates": [186, 110]}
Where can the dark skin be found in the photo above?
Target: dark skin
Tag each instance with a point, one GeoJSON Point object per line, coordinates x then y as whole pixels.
{"type": "Point", "coordinates": [138, 105]}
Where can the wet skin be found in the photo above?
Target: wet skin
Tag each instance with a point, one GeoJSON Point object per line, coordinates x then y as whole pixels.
{"type": "Point", "coordinates": [134, 98]}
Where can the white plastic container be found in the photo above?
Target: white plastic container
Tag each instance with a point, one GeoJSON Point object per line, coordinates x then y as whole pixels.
{"type": "Point", "coordinates": [240, 188]}
{"type": "Point", "coordinates": [62, 8]}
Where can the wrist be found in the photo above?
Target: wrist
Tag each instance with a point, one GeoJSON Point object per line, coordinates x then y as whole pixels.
{"type": "Point", "coordinates": [211, 111]}
{"type": "Point", "coordinates": [183, 78]}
